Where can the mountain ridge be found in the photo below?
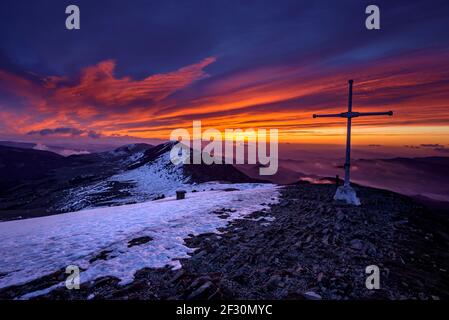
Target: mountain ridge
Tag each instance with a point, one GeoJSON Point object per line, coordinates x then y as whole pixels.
{"type": "Point", "coordinates": [127, 174]}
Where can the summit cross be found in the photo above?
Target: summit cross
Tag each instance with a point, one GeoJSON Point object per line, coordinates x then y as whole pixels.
{"type": "Point", "coordinates": [346, 192]}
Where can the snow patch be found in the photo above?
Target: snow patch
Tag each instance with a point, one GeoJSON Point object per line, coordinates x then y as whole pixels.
{"type": "Point", "coordinates": [155, 178]}
{"type": "Point", "coordinates": [33, 248]}
{"type": "Point", "coordinates": [161, 177]}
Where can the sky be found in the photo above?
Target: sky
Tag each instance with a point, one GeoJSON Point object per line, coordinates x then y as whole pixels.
{"type": "Point", "coordinates": [137, 70]}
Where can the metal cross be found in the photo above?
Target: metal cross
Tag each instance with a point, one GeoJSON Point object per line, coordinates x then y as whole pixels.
{"type": "Point", "coordinates": [349, 115]}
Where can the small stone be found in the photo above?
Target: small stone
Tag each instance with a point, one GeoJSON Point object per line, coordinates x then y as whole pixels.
{"type": "Point", "coordinates": [199, 293]}
{"type": "Point", "coordinates": [177, 276]}
{"type": "Point", "coordinates": [310, 295]}
{"type": "Point", "coordinates": [139, 241]}
{"type": "Point", "coordinates": [356, 244]}
{"type": "Point", "coordinates": [320, 277]}
{"type": "Point", "coordinates": [274, 282]}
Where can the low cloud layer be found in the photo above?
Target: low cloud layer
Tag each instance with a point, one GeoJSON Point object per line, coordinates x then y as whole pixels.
{"type": "Point", "coordinates": [430, 146]}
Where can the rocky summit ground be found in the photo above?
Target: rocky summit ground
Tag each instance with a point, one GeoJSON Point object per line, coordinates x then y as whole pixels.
{"type": "Point", "coordinates": [314, 248]}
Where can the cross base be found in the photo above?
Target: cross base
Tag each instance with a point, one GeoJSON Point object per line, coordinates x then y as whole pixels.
{"type": "Point", "coordinates": [347, 194]}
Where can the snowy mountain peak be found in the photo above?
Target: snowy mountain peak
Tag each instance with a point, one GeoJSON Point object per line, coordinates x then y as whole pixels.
{"type": "Point", "coordinates": [129, 174]}
{"type": "Point", "coordinates": [155, 176]}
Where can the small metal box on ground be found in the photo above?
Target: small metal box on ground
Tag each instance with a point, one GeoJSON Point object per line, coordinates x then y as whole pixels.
{"type": "Point", "coordinates": [180, 194]}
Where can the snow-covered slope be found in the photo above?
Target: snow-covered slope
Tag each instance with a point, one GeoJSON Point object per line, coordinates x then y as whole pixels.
{"type": "Point", "coordinates": [33, 248]}
{"type": "Point", "coordinates": [153, 176]}
{"type": "Point", "coordinates": [159, 177]}
{"type": "Point", "coordinates": [35, 182]}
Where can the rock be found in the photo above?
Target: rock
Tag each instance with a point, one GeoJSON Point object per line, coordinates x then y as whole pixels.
{"type": "Point", "coordinates": [159, 197]}
{"type": "Point", "coordinates": [325, 240]}
{"type": "Point", "coordinates": [356, 244]}
{"type": "Point", "coordinates": [105, 281]}
{"type": "Point", "coordinates": [199, 254]}
{"type": "Point", "coordinates": [274, 282]}
{"type": "Point", "coordinates": [285, 203]}
{"type": "Point", "coordinates": [309, 238]}
{"type": "Point", "coordinates": [320, 277]}
{"type": "Point", "coordinates": [199, 280]}
{"type": "Point", "coordinates": [230, 189]}
{"type": "Point", "coordinates": [103, 255]}
{"type": "Point", "coordinates": [200, 293]}
{"type": "Point", "coordinates": [139, 241]}
{"type": "Point", "coordinates": [310, 295]}
{"type": "Point", "coordinates": [177, 276]}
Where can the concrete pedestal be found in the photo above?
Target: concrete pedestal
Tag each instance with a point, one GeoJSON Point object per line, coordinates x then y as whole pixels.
{"type": "Point", "coordinates": [347, 194]}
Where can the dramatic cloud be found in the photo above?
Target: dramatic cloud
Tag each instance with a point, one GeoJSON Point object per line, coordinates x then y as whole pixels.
{"type": "Point", "coordinates": [94, 135]}
{"type": "Point", "coordinates": [99, 86]}
{"type": "Point", "coordinates": [58, 131]}
{"type": "Point", "coordinates": [65, 132]}
{"type": "Point", "coordinates": [283, 97]}
{"type": "Point", "coordinates": [96, 98]}
{"type": "Point", "coordinates": [269, 64]}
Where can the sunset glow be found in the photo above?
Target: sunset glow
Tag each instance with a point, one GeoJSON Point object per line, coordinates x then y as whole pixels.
{"type": "Point", "coordinates": [109, 97]}
{"type": "Point", "coordinates": [413, 86]}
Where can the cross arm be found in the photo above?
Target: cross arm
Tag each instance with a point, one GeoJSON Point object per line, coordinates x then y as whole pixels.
{"type": "Point", "coordinates": [332, 115]}
{"type": "Point", "coordinates": [353, 114]}
{"type": "Point", "coordinates": [361, 114]}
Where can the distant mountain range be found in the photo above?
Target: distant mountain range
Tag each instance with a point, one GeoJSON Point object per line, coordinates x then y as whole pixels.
{"type": "Point", "coordinates": [419, 177]}
{"type": "Point", "coordinates": [35, 182]}
{"type": "Point", "coordinates": [39, 182]}
{"type": "Point", "coordinates": [425, 176]}
{"type": "Point", "coordinates": [61, 150]}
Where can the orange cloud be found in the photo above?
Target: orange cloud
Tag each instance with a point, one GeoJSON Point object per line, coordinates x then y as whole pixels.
{"type": "Point", "coordinates": [98, 93]}
{"type": "Point", "coordinates": [98, 84]}
{"type": "Point", "coordinates": [415, 86]}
